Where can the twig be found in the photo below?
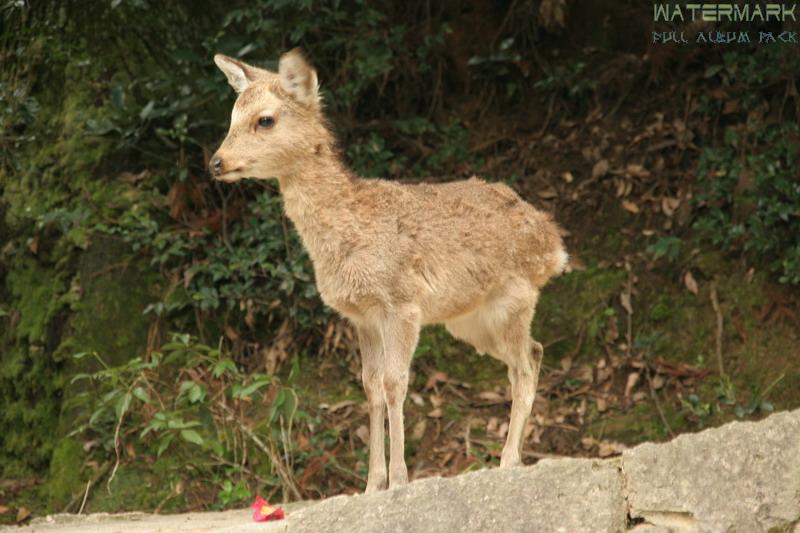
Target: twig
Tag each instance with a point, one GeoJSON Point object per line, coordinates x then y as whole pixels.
{"type": "Point", "coordinates": [116, 440]}
{"type": "Point", "coordinates": [276, 461]}
{"type": "Point", "coordinates": [718, 336]}
{"type": "Point", "coordinates": [656, 401]}
{"type": "Point", "coordinates": [100, 473]}
{"type": "Point", "coordinates": [222, 460]}
{"type": "Point", "coordinates": [85, 495]}
{"type": "Point", "coordinates": [629, 312]}
{"type": "Point", "coordinates": [467, 443]}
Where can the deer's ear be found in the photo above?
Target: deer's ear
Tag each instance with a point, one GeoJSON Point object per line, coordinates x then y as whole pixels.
{"type": "Point", "coordinates": [298, 78]}
{"type": "Point", "coordinates": [240, 75]}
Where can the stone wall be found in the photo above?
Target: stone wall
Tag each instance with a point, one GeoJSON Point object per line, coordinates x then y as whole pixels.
{"type": "Point", "coordinates": [742, 477]}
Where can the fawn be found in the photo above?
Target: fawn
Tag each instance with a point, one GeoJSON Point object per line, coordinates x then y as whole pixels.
{"type": "Point", "coordinates": [392, 257]}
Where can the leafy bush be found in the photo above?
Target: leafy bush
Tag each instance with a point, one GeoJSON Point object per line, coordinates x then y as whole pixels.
{"type": "Point", "coordinates": [189, 399]}
{"type": "Point", "coordinates": [750, 193]}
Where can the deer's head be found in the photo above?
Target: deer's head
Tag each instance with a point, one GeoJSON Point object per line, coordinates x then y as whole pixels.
{"type": "Point", "coordinates": [276, 123]}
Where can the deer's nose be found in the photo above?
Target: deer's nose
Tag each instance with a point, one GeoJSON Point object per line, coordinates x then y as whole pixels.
{"type": "Point", "coordinates": [216, 165]}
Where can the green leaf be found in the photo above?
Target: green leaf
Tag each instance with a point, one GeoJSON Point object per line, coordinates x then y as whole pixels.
{"type": "Point", "coordinates": [164, 443]}
{"type": "Point", "coordinates": [712, 70]}
{"type": "Point", "coordinates": [147, 110]}
{"type": "Point", "coordinates": [122, 405]}
{"type": "Point", "coordinates": [141, 394]}
{"type": "Point", "coordinates": [246, 392]}
{"type": "Point", "coordinates": [190, 435]}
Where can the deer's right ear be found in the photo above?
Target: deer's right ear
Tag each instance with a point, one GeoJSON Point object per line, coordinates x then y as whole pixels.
{"type": "Point", "coordinates": [240, 75]}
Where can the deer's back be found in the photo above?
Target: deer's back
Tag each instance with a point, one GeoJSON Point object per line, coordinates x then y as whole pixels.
{"type": "Point", "coordinates": [448, 244]}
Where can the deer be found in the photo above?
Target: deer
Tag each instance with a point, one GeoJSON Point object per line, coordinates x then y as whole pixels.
{"type": "Point", "coordinates": [392, 257]}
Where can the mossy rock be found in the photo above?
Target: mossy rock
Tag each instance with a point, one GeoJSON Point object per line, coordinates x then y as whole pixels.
{"type": "Point", "coordinates": [140, 486]}
{"type": "Point", "coordinates": [65, 478]}
{"type": "Point", "coordinates": [30, 380]}
{"type": "Point", "coordinates": [108, 318]}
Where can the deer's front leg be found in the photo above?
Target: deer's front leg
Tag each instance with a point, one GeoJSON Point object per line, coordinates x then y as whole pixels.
{"type": "Point", "coordinates": [400, 333]}
{"type": "Point", "coordinates": [372, 370]}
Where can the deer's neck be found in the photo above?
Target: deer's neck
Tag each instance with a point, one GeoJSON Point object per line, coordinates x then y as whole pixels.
{"type": "Point", "coordinates": [317, 199]}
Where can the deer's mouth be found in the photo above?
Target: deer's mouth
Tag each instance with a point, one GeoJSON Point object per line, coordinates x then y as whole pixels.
{"type": "Point", "coordinates": [230, 175]}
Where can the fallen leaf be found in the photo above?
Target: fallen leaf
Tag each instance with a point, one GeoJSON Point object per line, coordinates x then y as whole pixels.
{"type": "Point", "coordinates": [502, 430]}
{"type": "Point", "coordinates": [436, 413]}
{"type": "Point", "coordinates": [433, 379]}
{"type": "Point", "coordinates": [547, 194]}
{"type": "Point", "coordinates": [566, 363]}
{"type": "Point", "coordinates": [607, 448]}
{"type": "Point", "coordinates": [625, 300]}
{"type": "Point", "coordinates": [669, 205]}
{"type": "Point", "coordinates": [568, 177]}
{"type": "Point", "coordinates": [630, 206]}
{"type": "Point", "coordinates": [417, 399]}
{"type": "Point", "coordinates": [633, 379]}
{"type": "Point", "coordinates": [436, 400]}
{"type": "Point", "coordinates": [303, 441]}
{"type": "Point", "coordinates": [612, 331]}
{"type": "Point", "coordinates": [363, 433]}
{"type": "Point", "coordinates": [658, 382]}
{"type": "Point", "coordinates": [689, 281]}
{"type": "Point", "coordinates": [602, 405]}
{"type": "Point", "coordinates": [624, 187]}
{"type": "Point", "coordinates": [23, 513]}
{"type": "Point", "coordinates": [3, 509]}
{"type": "Point", "coordinates": [33, 245]}
{"type": "Point", "coordinates": [585, 373]}
{"type": "Point", "coordinates": [600, 168]}
{"type": "Point", "coordinates": [340, 405]}
{"type": "Point", "coordinates": [491, 396]}
{"type": "Point", "coordinates": [731, 106]}
{"type": "Point", "coordinates": [575, 264]}
{"type": "Point", "coordinates": [636, 171]}
{"type": "Point", "coordinates": [419, 430]}
{"type": "Point", "coordinates": [230, 332]}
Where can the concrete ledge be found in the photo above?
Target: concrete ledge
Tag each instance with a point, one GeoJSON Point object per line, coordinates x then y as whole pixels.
{"type": "Point", "coordinates": [556, 495]}
{"type": "Point", "coordinates": [742, 477]}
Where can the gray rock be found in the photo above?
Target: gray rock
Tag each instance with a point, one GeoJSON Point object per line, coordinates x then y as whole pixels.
{"type": "Point", "coordinates": [556, 495]}
{"type": "Point", "coordinates": [743, 477]}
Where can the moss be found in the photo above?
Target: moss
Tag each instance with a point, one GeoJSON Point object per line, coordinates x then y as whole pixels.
{"type": "Point", "coordinates": [640, 424]}
{"type": "Point", "coordinates": [439, 351]}
{"type": "Point", "coordinates": [30, 380]}
{"type": "Point", "coordinates": [662, 309]}
{"type": "Point", "coordinates": [37, 294]}
{"type": "Point", "coordinates": [63, 160]}
{"type": "Point", "coordinates": [65, 473]}
{"type": "Point", "coordinates": [108, 317]}
{"type": "Point", "coordinates": [115, 287]}
{"type": "Point", "coordinates": [138, 485]}
{"type": "Point", "coordinates": [577, 300]}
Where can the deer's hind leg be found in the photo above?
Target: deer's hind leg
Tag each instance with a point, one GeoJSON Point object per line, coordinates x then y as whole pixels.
{"type": "Point", "coordinates": [501, 328]}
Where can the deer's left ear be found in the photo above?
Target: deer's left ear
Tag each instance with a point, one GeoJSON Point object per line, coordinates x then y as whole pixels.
{"type": "Point", "coordinates": [298, 78]}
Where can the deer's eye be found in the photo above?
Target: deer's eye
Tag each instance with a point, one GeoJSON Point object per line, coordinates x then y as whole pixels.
{"type": "Point", "coordinates": [266, 122]}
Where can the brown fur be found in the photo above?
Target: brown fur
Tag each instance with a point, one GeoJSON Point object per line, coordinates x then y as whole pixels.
{"type": "Point", "coordinates": [391, 257]}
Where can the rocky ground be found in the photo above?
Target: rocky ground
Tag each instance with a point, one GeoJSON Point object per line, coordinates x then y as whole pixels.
{"type": "Point", "coordinates": [744, 476]}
